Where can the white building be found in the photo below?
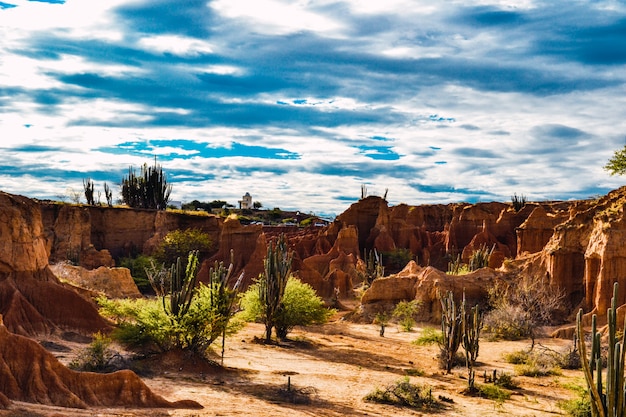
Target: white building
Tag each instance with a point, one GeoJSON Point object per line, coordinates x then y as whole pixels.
{"type": "Point", "coordinates": [245, 202]}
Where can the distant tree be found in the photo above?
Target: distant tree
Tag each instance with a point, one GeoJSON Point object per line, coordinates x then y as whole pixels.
{"type": "Point", "coordinates": [257, 205]}
{"type": "Point", "coordinates": [617, 164]}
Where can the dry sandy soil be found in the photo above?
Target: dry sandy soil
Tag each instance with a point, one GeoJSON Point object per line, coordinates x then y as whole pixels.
{"type": "Point", "coordinates": [337, 364]}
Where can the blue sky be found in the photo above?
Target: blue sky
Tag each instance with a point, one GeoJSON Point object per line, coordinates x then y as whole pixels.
{"type": "Point", "coordinates": [300, 103]}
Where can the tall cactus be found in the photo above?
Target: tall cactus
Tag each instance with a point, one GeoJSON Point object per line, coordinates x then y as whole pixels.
{"type": "Point", "coordinates": [277, 265]}
{"type": "Point", "coordinates": [608, 400]}
{"type": "Point", "coordinates": [472, 325]}
{"type": "Point", "coordinates": [451, 329]}
{"type": "Point", "coordinates": [182, 285]}
{"type": "Point", "coordinates": [222, 298]}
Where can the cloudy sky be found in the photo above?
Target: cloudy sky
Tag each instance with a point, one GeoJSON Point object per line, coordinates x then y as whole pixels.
{"type": "Point", "coordinates": [300, 103]}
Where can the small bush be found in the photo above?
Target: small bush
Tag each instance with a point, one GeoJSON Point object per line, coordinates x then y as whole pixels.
{"type": "Point", "coordinates": [429, 336]}
{"type": "Point", "coordinates": [405, 312]}
{"type": "Point", "coordinates": [405, 394]}
{"type": "Point", "coordinates": [494, 392]}
{"type": "Point", "coordinates": [535, 363]}
{"type": "Point", "coordinates": [505, 380]}
{"type": "Point", "coordinates": [518, 357]}
{"type": "Point", "coordinates": [578, 407]}
{"type": "Point", "coordinates": [137, 267]}
{"type": "Point", "coordinates": [178, 243]}
{"type": "Point", "coordinates": [97, 357]}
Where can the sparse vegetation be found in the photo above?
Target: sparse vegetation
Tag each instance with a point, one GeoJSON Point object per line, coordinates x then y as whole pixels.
{"type": "Point", "coordinates": [97, 356]}
{"type": "Point", "coordinates": [520, 308]}
{"type": "Point", "coordinates": [617, 163]}
{"type": "Point", "coordinates": [178, 243]}
{"type": "Point", "coordinates": [452, 331]}
{"type": "Point", "coordinates": [403, 393]}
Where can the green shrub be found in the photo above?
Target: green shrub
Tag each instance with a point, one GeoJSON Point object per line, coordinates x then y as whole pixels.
{"type": "Point", "coordinates": [178, 243]}
{"type": "Point", "coordinates": [397, 259]}
{"type": "Point", "coordinates": [405, 394]}
{"type": "Point", "coordinates": [535, 363]}
{"type": "Point", "coordinates": [578, 407]}
{"type": "Point", "coordinates": [301, 306]}
{"type": "Point", "coordinates": [518, 357]}
{"type": "Point", "coordinates": [137, 267]}
{"type": "Point", "coordinates": [97, 357]}
{"type": "Point", "coordinates": [494, 392]}
{"type": "Point", "coordinates": [429, 336]}
{"type": "Point", "coordinates": [405, 312]}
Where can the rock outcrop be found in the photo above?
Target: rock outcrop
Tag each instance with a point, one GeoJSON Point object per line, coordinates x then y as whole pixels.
{"type": "Point", "coordinates": [31, 298]}
{"type": "Point", "coordinates": [112, 282]}
{"type": "Point", "coordinates": [29, 373]}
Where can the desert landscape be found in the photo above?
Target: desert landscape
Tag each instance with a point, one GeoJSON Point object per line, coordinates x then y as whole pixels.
{"type": "Point", "coordinates": [49, 314]}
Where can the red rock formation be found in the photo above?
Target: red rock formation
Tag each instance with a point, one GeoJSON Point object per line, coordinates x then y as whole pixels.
{"type": "Point", "coordinates": [29, 373]}
{"type": "Point", "coordinates": [31, 298]}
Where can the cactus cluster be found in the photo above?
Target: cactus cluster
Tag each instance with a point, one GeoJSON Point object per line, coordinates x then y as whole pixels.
{"type": "Point", "coordinates": [373, 266]}
{"type": "Point", "coordinates": [182, 285]}
{"type": "Point", "coordinates": [608, 398]}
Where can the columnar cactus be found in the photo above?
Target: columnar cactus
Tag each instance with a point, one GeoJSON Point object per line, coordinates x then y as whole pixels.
{"type": "Point", "coordinates": [608, 399]}
{"type": "Point", "coordinates": [451, 329]}
{"type": "Point", "coordinates": [272, 285]}
{"type": "Point", "coordinates": [182, 285]}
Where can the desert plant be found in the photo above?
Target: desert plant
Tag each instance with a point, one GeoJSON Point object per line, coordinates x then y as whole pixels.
{"type": "Point", "coordinates": [522, 307]}
{"type": "Point", "coordinates": [472, 325]}
{"type": "Point", "coordinates": [405, 312]}
{"type": "Point", "coordinates": [108, 194]}
{"type": "Point", "coordinates": [451, 329]}
{"type": "Point", "coordinates": [429, 336]}
{"type": "Point", "coordinates": [97, 357]}
{"type": "Point", "coordinates": [137, 267]}
{"type": "Point", "coordinates": [406, 394]}
{"type": "Point", "coordinates": [382, 319]}
{"type": "Point", "coordinates": [88, 186]}
{"type": "Point", "coordinates": [518, 201]}
{"type": "Point", "coordinates": [149, 190]}
{"type": "Point", "coordinates": [301, 307]}
{"type": "Point", "coordinates": [178, 243]}
{"type": "Point", "coordinates": [396, 259]}
{"type": "Point", "coordinates": [494, 392]}
{"type": "Point", "coordinates": [617, 164]}
{"type": "Point", "coordinates": [374, 268]}
{"type": "Point", "coordinates": [182, 285]}
{"type": "Point", "coordinates": [607, 397]}
{"type": "Point", "coordinates": [480, 257]}
{"type": "Point", "coordinates": [271, 286]}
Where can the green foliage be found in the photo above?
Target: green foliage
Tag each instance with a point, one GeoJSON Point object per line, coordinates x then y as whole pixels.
{"type": "Point", "coordinates": [405, 312]}
{"type": "Point", "coordinates": [518, 201]}
{"type": "Point", "coordinates": [456, 267]}
{"type": "Point", "coordinates": [96, 357]}
{"type": "Point", "coordinates": [494, 392]}
{"type": "Point", "coordinates": [301, 307]}
{"type": "Point", "coordinates": [429, 336]}
{"type": "Point", "coordinates": [403, 393]}
{"type": "Point", "coordinates": [617, 164]}
{"type": "Point", "coordinates": [271, 286]}
{"type": "Point", "coordinates": [178, 243]}
{"type": "Point", "coordinates": [149, 190]}
{"type": "Point", "coordinates": [137, 267]}
{"type": "Point", "coordinates": [607, 397]}
{"type": "Point", "coordinates": [397, 259]}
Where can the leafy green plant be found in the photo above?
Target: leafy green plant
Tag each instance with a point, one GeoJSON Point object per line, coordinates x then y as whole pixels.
{"type": "Point", "coordinates": [494, 392]}
{"type": "Point", "coordinates": [403, 393]}
{"type": "Point", "coordinates": [137, 267]}
{"type": "Point", "coordinates": [178, 243]}
{"type": "Point", "coordinates": [97, 357]}
{"type": "Point", "coordinates": [429, 336]}
{"type": "Point", "coordinates": [301, 307]}
{"type": "Point", "coordinates": [382, 319]}
{"type": "Point", "coordinates": [397, 259]}
{"type": "Point", "coordinates": [405, 312]}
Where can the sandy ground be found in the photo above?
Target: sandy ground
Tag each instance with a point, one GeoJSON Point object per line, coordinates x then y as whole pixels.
{"type": "Point", "coordinates": [334, 366]}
